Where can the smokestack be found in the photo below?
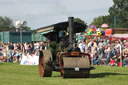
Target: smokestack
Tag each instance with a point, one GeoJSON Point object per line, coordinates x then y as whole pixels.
{"type": "Point", "coordinates": [71, 31]}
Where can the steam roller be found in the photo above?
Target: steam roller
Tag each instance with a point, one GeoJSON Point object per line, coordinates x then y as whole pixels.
{"type": "Point", "coordinates": [63, 54]}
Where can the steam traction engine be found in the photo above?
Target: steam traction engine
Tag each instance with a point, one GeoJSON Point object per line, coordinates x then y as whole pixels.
{"type": "Point", "coordinates": [63, 54]}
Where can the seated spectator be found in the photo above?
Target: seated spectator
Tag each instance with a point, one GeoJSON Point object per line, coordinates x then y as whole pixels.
{"type": "Point", "coordinates": [17, 56]}
{"type": "Point", "coordinates": [112, 62]}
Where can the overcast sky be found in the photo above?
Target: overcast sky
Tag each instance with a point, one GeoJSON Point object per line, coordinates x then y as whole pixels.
{"type": "Point", "coordinates": [40, 13]}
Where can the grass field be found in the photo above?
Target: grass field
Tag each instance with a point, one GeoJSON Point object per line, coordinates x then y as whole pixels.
{"type": "Point", "coordinates": [15, 74]}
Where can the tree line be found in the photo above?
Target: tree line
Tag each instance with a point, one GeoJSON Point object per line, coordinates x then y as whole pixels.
{"type": "Point", "coordinates": [118, 15]}
{"type": "Point", "coordinates": [6, 24]}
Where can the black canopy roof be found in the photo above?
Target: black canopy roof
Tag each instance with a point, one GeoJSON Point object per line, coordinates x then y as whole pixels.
{"type": "Point", "coordinates": [64, 25]}
{"type": "Point", "coordinates": [52, 31]}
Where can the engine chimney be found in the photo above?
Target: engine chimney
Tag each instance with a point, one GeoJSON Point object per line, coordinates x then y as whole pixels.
{"type": "Point", "coordinates": [71, 32]}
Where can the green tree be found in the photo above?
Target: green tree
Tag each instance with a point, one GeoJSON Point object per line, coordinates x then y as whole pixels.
{"type": "Point", "coordinates": [120, 10]}
{"type": "Point", "coordinates": [98, 21]}
{"type": "Point", "coordinates": [6, 24]}
{"type": "Point", "coordinates": [80, 21]}
{"type": "Point", "coordinates": [25, 27]}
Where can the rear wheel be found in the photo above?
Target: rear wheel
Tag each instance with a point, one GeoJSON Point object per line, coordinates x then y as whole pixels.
{"type": "Point", "coordinates": [61, 66]}
{"type": "Point", "coordinates": [45, 68]}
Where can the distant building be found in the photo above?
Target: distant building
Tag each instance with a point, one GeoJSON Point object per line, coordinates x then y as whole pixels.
{"type": "Point", "coordinates": [7, 37]}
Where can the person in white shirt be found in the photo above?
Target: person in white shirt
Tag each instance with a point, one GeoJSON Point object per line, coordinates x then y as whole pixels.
{"type": "Point", "coordinates": [81, 46]}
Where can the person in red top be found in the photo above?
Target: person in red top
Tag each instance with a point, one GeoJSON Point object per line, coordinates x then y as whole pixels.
{"type": "Point", "coordinates": [112, 62]}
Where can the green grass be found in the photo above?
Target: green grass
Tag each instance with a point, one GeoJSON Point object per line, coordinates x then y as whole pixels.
{"type": "Point", "coordinates": [15, 74]}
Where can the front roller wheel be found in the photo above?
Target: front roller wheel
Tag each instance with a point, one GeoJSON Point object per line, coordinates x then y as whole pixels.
{"type": "Point", "coordinates": [45, 68]}
{"type": "Point", "coordinates": [74, 66]}
{"type": "Point", "coordinates": [72, 73]}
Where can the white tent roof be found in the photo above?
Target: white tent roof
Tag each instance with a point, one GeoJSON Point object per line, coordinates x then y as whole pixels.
{"type": "Point", "coordinates": [120, 35]}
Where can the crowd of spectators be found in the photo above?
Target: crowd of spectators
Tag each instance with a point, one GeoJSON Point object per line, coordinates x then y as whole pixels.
{"type": "Point", "coordinates": [104, 51]}
{"type": "Point", "coordinates": [12, 52]}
